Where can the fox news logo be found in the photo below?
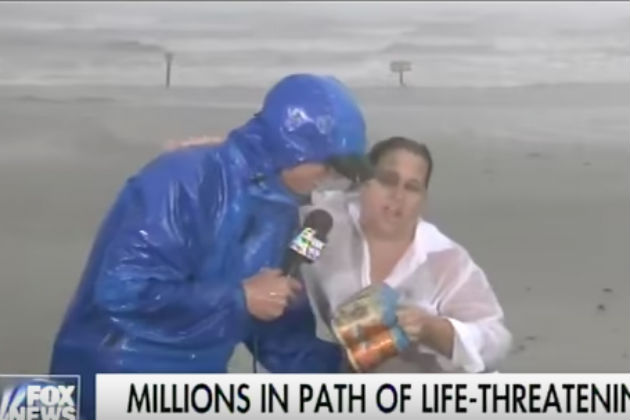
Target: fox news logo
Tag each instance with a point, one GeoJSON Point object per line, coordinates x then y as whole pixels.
{"type": "Point", "coordinates": [50, 398]}
{"type": "Point", "coordinates": [307, 245]}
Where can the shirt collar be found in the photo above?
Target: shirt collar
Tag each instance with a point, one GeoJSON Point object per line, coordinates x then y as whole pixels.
{"type": "Point", "coordinates": [427, 238]}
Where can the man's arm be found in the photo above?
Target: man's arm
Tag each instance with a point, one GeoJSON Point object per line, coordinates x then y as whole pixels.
{"type": "Point", "coordinates": [148, 280]}
{"type": "Point", "coordinates": [290, 345]}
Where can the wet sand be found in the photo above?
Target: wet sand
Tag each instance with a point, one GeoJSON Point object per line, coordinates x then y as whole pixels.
{"type": "Point", "coordinates": [534, 181]}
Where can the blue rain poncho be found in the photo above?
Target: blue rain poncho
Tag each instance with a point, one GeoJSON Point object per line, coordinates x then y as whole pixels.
{"type": "Point", "coordinates": [162, 290]}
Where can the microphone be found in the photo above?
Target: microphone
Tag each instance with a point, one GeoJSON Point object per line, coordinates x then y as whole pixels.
{"type": "Point", "coordinates": [307, 246]}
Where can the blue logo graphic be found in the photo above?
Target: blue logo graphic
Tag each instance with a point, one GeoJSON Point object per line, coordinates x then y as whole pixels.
{"type": "Point", "coordinates": [39, 398]}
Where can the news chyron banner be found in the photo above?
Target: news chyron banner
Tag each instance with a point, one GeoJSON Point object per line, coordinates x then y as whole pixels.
{"type": "Point", "coordinates": [366, 396]}
{"type": "Point", "coordinates": [42, 397]}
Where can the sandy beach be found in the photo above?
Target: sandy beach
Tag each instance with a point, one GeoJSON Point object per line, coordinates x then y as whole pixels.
{"type": "Point", "coordinates": [534, 181]}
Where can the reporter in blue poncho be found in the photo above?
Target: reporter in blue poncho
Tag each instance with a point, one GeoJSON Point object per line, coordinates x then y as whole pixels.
{"type": "Point", "coordinates": [176, 278]}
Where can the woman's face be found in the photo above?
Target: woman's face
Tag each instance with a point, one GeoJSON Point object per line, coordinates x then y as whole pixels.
{"type": "Point", "coordinates": [392, 202]}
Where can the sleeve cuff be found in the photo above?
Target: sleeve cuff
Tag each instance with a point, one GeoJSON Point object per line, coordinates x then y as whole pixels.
{"type": "Point", "coordinates": [244, 317]}
{"type": "Point", "coordinates": [465, 355]}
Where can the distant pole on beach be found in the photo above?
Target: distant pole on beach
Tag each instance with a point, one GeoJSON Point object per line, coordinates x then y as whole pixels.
{"type": "Point", "coordinates": [168, 56]}
{"type": "Point", "coordinates": [400, 67]}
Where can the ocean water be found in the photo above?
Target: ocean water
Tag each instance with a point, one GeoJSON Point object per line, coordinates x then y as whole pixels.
{"type": "Point", "coordinates": [253, 44]}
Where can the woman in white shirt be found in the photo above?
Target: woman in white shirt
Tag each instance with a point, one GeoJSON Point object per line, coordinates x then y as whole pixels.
{"type": "Point", "coordinates": [448, 310]}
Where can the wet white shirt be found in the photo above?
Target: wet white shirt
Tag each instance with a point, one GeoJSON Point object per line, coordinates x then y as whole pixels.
{"type": "Point", "coordinates": [435, 274]}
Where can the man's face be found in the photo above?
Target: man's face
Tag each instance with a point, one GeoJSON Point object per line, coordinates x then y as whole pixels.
{"type": "Point", "coordinates": [305, 178]}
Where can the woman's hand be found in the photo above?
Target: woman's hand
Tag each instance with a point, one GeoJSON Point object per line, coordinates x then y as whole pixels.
{"type": "Point", "coordinates": [193, 141]}
{"type": "Point", "coordinates": [413, 321]}
{"type": "Point", "coordinates": [421, 327]}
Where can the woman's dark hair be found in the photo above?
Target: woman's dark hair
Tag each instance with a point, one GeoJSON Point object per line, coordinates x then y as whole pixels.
{"type": "Point", "coordinates": [391, 144]}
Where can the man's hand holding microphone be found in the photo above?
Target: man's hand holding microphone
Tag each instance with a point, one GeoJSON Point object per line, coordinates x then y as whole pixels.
{"type": "Point", "coordinates": [269, 293]}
